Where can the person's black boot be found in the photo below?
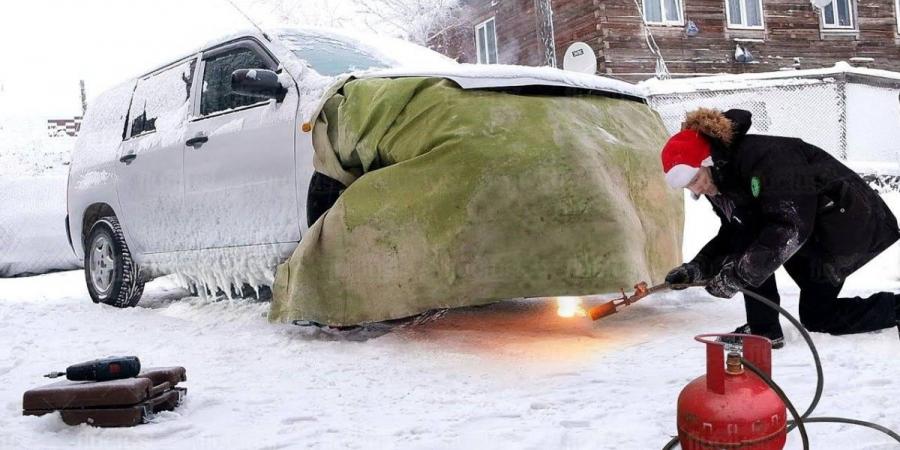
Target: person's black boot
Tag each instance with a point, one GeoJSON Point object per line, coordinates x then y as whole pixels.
{"type": "Point", "coordinates": [897, 311]}
{"type": "Point", "coordinates": [776, 336]}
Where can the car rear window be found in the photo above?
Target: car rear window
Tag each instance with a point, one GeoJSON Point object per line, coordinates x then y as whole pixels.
{"type": "Point", "coordinates": [160, 100]}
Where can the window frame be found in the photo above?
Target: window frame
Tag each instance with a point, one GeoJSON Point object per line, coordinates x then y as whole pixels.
{"type": "Point", "coordinates": [240, 43]}
{"type": "Point", "coordinates": [851, 9]}
{"type": "Point", "coordinates": [743, 25]}
{"type": "Point", "coordinates": [897, 14]}
{"type": "Point", "coordinates": [478, 53]}
{"type": "Point", "coordinates": [662, 8]}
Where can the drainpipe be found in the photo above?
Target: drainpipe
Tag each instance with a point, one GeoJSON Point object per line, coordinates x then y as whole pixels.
{"type": "Point", "coordinates": [544, 12]}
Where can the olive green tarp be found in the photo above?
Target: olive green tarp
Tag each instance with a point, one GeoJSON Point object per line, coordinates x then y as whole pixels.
{"type": "Point", "coordinates": [464, 197]}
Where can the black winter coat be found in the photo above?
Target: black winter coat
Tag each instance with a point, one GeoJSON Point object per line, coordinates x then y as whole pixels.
{"type": "Point", "coordinates": [779, 196]}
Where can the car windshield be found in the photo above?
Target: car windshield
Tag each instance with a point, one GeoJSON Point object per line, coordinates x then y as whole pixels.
{"type": "Point", "coordinates": [330, 56]}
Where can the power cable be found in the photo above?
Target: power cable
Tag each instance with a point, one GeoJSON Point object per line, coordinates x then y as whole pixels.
{"type": "Point", "coordinates": [662, 71]}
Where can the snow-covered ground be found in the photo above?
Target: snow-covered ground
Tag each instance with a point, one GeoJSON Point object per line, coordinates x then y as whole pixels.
{"type": "Point", "coordinates": [511, 375]}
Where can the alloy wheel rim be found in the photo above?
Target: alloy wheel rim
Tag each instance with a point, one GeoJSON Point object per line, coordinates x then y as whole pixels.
{"type": "Point", "coordinates": [103, 265]}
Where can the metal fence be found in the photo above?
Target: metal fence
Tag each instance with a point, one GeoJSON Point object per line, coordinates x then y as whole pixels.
{"type": "Point", "coordinates": [852, 113]}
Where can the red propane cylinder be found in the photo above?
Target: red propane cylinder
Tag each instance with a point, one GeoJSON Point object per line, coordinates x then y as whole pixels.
{"type": "Point", "coordinates": [732, 407]}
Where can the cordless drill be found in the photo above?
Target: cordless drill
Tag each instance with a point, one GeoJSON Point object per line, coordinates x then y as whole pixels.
{"type": "Point", "coordinates": [105, 369]}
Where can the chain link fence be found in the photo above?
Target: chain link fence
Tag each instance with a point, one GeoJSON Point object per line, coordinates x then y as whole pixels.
{"type": "Point", "coordinates": [854, 114]}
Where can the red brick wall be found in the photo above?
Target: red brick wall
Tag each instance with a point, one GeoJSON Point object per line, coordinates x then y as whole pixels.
{"type": "Point", "coordinates": [613, 29]}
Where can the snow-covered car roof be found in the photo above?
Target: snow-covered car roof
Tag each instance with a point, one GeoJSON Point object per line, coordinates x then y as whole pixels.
{"type": "Point", "coordinates": [483, 76]}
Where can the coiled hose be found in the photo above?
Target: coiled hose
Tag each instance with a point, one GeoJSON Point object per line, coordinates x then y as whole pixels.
{"type": "Point", "coordinates": [799, 420]}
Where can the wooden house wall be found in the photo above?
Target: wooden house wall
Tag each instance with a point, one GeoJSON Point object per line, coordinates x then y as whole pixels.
{"type": "Point", "coordinates": [792, 36]}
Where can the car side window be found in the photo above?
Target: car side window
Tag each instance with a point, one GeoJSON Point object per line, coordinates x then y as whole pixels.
{"type": "Point", "coordinates": [160, 101]}
{"type": "Point", "coordinates": [216, 94]}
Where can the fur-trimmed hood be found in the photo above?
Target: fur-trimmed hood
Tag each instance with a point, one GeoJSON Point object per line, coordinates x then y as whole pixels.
{"type": "Point", "coordinates": [728, 127]}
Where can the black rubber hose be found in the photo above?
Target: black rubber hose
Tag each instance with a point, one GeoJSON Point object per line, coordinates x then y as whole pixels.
{"type": "Point", "coordinates": [871, 425]}
{"type": "Point", "coordinates": [801, 423]}
{"type": "Point", "coordinates": [819, 383]}
{"type": "Point", "coordinates": [820, 376]}
{"type": "Point", "coordinates": [784, 398]}
{"type": "Point", "coordinates": [671, 444]}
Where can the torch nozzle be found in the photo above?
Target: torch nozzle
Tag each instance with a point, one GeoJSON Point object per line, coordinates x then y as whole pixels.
{"type": "Point", "coordinates": [641, 290]}
{"type": "Point", "coordinates": [600, 311]}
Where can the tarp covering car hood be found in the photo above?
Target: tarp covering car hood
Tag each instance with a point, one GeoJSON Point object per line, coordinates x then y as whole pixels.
{"type": "Point", "coordinates": [463, 197]}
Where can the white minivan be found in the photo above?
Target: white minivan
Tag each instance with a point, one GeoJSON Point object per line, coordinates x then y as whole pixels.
{"type": "Point", "coordinates": [204, 167]}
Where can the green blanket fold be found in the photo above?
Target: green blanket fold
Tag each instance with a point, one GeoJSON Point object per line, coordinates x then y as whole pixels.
{"type": "Point", "coordinates": [463, 197]}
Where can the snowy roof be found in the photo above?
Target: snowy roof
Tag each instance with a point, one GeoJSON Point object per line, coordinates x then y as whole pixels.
{"type": "Point", "coordinates": [763, 79]}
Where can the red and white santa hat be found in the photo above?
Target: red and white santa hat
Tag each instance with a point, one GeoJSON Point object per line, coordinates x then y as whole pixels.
{"type": "Point", "coordinates": [683, 156]}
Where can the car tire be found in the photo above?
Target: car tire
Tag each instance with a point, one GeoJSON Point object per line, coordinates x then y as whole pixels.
{"type": "Point", "coordinates": [112, 276]}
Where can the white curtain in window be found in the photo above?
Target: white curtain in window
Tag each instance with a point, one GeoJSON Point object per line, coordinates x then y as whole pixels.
{"type": "Point", "coordinates": [652, 11]}
{"type": "Point", "coordinates": [672, 11]}
{"type": "Point", "coordinates": [491, 42]}
{"type": "Point", "coordinates": [839, 16]}
{"type": "Point", "coordinates": [844, 12]}
{"type": "Point", "coordinates": [745, 13]}
{"type": "Point", "coordinates": [486, 42]}
{"type": "Point", "coordinates": [754, 15]}
{"type": "Point", "coordinates": [734, 10]}
{"type": "Point", "coordinates": [481, 41]}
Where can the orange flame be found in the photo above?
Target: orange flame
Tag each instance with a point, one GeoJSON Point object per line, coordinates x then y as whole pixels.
{"type": "Point", "coordinates": [570, 307]}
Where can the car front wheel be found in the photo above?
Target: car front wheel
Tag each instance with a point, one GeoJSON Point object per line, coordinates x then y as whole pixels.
{"type": "Point", "coordinates": [110, 273]}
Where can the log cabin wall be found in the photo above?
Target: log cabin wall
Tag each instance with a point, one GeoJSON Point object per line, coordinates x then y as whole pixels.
{"type": "Point", "coordinates": [792, 36]}
{"type": "Point", "coordinates": [517, 37]}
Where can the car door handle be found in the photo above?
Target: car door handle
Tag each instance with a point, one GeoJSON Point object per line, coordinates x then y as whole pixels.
{"type": "Point", "coordinates": [196, 141]}
{"type": "Point", "coordinates": [127, 159]}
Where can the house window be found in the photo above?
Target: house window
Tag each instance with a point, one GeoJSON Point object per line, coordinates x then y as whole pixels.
{"type": "Point", "coordinates": [486, 41]}
{"type": "Point", "coordinates": [838, 15]}
{"type": "Point", "coordinates": [744, 13]}
{"type": "Point", "coordinates": [663, 12]}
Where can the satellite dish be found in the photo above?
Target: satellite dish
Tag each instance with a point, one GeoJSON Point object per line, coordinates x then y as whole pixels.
{"type": "Point", "coordinates": [580, 58]}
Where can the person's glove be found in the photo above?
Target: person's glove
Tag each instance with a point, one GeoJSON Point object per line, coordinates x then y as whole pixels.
{"type": "Point", "coordinates": [686, 273]}
{"type": "Point", "coordinates": [726, 283]}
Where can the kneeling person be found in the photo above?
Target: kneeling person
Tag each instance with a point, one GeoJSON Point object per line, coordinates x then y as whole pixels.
{"type": "Point", "coordinates": [781, 201]}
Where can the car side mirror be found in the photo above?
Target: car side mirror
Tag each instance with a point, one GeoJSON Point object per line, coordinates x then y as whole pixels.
{"type": "Point", "coordinates": [260, 83]}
